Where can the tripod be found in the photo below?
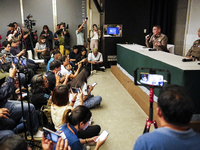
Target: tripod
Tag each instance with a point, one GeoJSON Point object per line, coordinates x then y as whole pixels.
{"type": "Point", "coordinates": [150, 120]}
{"type": "Point", "coordinates": [31, 142]}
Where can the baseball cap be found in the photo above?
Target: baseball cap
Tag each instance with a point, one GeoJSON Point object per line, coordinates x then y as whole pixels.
{"type": "Point", "coordinates": [11, 25]}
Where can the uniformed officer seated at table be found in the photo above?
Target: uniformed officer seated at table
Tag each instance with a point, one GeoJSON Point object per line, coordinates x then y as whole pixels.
{"type": "Point", "coordinates": [158, 40]}
{"type": "Point", "coordinates": [194, 51]}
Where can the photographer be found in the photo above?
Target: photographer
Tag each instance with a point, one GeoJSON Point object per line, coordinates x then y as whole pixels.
{"type": "Point", "coordinates": [64, 39]}
{"type": "Point", "coordinates": [48, 35]}
{"type": "Point", "coordinates": [15, 51]}
{"type": "Point", "coordinates": [8, 58]}
{"type": "Point", "coordinates": [94, 35]}
{"type": "Point", "coordinates": [80, 36]}
{"type": "Point", "coordinates": [29, 41]}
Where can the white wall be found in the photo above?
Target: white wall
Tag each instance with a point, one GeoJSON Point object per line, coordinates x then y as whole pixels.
{"type": "Point", "coordinates": [193, 24]}
{"type": "Point", "coordinates": [69, 11]}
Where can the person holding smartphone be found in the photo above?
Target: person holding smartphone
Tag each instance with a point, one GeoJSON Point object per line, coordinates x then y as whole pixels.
{"type": "Point", "coordinates": [75, 121]}
{"type": "Point", "coordinates": [60, 103]}
{"type": "Point", "coordinates": [81, 82]}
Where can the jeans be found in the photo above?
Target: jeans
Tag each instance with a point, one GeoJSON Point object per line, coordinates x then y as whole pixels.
{"type": "Point", "coordinates": [92, 101]}
{"type": "Point", "coordinates": [15, 111]}
{"type": "Point", "coordinates": [72, 63]}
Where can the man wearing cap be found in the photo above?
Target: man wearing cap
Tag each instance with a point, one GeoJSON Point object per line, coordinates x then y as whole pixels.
{"type": "Point", "coordinates": [95, 60]}
{"type": "Point", "coordinates": [80, 37]}
{"type": "Point", "coordinates": [10, 34]}
{"type": "Point", "coordinates": [194, 51]}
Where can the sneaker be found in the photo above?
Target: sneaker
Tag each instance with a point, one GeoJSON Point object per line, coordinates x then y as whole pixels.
{"type": "Point", "coordinates": [38, 134]}
{"type": "Point", "coordinates": [88, 147]}
{"type": "Point", "coordinates": [102, 68]}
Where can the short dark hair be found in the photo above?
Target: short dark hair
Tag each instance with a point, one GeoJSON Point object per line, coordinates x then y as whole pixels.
{"type": "Point", "coordinates": [5, 43]}
{"type": "Point", "coordinates": [60, 95]}
{"type": "Point", "coordinates": [79, 25]}
{"type": "Point", "coordinates": [55, 64]}
{"type": "Point", "coordinates": [75, 47]}
{"type": "Point", "coordinates": [13, 142]}
{"type": "Point", "coordinates": [94, 25]}
{"type": "Point", "coordinates": [176, 105]}
{"type": "Point", "coordinates": [63, 58]}
{"type": "Point", "coordinates": [157, 26]}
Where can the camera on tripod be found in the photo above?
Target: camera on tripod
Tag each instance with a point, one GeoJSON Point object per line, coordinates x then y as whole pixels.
{"type": "Point", "coordinates": [29, 23]}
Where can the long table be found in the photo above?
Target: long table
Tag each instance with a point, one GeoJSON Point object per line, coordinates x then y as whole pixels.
{"type": "Point", "coordinates": [187, 74]}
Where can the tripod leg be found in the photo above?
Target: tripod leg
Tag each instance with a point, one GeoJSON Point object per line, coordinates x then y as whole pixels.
{"type": "Point", "coordinates": [147, 126]}
{"type": "Point", "coordinates": [155, 124]}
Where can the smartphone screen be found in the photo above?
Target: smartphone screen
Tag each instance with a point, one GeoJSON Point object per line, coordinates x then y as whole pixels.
{"type": "Point", "coordinates": [50, 135]}
{"type": "Point", "coordinates": [23, 62]}
{"type": "Point", "coordinates": [152, 79]}
{"type": "Point", "coordinates": [102, 136]}
{"type": "Point", "coordinates": [75, 90]}
{"type": "Point", "coordinates": [15, 61]}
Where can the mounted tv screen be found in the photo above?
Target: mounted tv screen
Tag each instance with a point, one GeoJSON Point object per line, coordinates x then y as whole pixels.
{"type": "Point", "coordinates": [113, 30]}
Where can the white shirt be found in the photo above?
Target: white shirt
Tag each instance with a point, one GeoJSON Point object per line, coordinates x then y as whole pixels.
{"type": "Point", "coordinates": [80, 38]}
{"type": "Point", "coordinates": [95, 36]}
{"type": "Point", "coordinates": [96, 58]}
{"type": "Point", "coordinates": [85, 92]}
{"type": "Point", "coordinates": [57, 114]}
{"type": "Point", "coordinates": [63, 71]}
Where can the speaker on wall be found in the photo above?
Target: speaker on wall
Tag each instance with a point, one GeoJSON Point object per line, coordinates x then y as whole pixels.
{"type": "Point", "coordinates": [97, 6]}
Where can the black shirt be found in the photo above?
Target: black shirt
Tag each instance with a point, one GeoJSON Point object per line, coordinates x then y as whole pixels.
{"type": "Point", "coordinates": [39, 99]}
{"type": "Point", "coordinates": [52, 80]}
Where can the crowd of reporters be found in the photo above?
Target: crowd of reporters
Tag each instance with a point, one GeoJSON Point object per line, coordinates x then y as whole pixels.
{"type": "Point", "coordinates": [65, 70]}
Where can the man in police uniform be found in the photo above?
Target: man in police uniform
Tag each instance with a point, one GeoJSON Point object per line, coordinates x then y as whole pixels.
{"type": "Point", "coordinates": [158, 40]}
{"type": "Point", "coordinates": [194, 51]}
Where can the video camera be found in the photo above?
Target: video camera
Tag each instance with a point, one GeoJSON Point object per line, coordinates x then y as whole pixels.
{"type": "Point", "coordinates": [64, 25]}
{"type": "Point", "coordinates": [29, 23]}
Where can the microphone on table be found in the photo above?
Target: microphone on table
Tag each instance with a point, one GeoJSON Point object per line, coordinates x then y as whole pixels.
{"type": "Point", "coordinates": [187, 59]}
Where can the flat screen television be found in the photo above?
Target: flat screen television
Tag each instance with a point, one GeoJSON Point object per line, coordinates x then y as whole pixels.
{"type": "Point", "coordinates": [112, 30]}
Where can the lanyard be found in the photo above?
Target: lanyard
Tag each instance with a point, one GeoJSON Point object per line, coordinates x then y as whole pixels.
{"type": "Point", "coordinates": [70, 128]}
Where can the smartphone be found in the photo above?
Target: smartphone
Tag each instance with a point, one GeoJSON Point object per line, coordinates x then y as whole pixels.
{"type": "Point", "coordinates": [94, 84]}
{"type": "Point", "coordinates": [15, 61]}
{"type": "Point", "coordinates": [152, 79]}
{"type": "Point", "coordinates": [24, 94]}
{"type": "Point", "coordinates": [23, 62]}
{"type": "Point", "coordinates": [102, 136]}
{"type": "Point", "coordinates": [51, 135]}
{"type": "Point", "coordinates": [75, 90]}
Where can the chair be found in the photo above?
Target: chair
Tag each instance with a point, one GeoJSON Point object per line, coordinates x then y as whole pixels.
{"type": "Point", "coordinates": [36, 60]}
{"type": "Point", "coordinates": [170, 47]}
